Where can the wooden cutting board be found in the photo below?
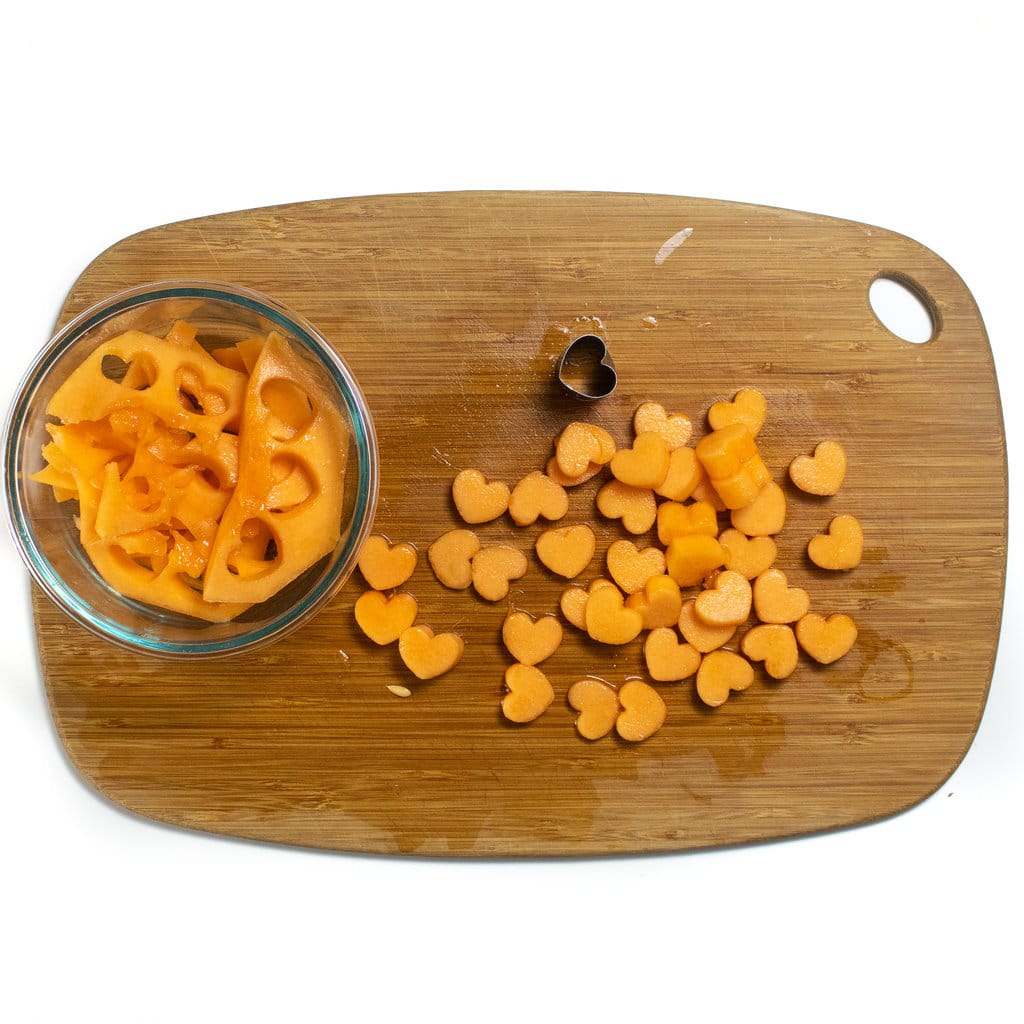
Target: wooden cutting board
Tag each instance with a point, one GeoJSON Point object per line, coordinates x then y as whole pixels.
{"type": "Point", "coordinates": [452, 310]}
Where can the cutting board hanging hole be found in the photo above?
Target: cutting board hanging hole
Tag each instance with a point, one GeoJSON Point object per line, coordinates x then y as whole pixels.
{"type": "Point", "coordinates": [902, 309]}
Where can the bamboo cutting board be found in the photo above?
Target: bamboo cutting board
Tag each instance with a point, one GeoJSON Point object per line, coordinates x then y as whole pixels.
{"type": "Point", "coordinates": [452, 310]}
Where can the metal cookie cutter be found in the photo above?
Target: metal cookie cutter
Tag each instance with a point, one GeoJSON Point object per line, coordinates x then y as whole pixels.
{"type": "Point", "coordinates": [586, 370]}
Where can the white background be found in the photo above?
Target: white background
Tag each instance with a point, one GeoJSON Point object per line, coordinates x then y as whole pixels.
{"type": "Point", "coordinates": [119, 117]}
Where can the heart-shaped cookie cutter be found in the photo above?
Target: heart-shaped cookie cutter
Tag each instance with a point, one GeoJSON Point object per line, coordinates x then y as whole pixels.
{"type": "Point", "coordinates": [586, 369]}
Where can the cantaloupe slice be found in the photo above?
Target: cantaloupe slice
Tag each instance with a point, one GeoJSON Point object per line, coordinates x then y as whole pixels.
{"type": "Point", "coordinates": [285, 512]}
{"type": "Point", "coordinates": [180, 384]}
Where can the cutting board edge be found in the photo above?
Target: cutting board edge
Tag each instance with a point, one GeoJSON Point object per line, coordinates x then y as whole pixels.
{"type": "Point", "coordinates": [544, 194]}
{"type": "Point", "coordinates": [498, 852]}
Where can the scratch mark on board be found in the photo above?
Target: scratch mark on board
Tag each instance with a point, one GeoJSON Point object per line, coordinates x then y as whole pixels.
{"type": "Point", "coordinates": [209, 249]}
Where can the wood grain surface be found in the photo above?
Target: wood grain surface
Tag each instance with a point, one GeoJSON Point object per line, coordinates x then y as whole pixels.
{"type": "Point", "coordinates": [452, 310]}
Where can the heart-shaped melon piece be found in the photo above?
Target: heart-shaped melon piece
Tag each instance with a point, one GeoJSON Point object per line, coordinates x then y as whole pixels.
{"type": "Point", "coordinates": [721, 673]}
{"type": "Point", "coordinates": [636, 507]}
{"type": "Point", "coordinates": [643, 711]}
{"type": "Point", "coordinates": [451, 557]}
{"type": "Point", "coordinates": [537, 496]}
{"type": "Point", "coordinates": [384, 619]}
{"type": "Point", "coordinates": [826, 640]}
{"type": "Point", "coordinates": [477, 499]}
{"type": "Point", "coordinates": [841, 548]}
{"type": "Point", "coordinates": [748, 407]}
{"type": "Point", "coordinates": [698, 633]}
{"type": "Point", "coordinates": [582, 444]}
{"type": "Point", "coordinates": [573, 602]}
{"type": "Point", "coordinates": [427, 655]}
{"type": "Point", "coordinates": [726, 602]}
{"type": "Point", "coordinates": [659, 603]}
{"type": "Point", "coordinates": [749, 556]}
{"type": "Point", "coordinates": [676, 519]}
{"type": "Point", "coordinates": [553, 471]}
{"type": "Point", "coordinates": [608, 620]}
{"type": "Point", "coordinates": [765, 515]}
{"type": "Point", "coordinates": [630, 567]}
{"type": "Point", "coordinates": [493, 569]}
{"type": "Point", "coordinates": [776, 601]}
{"type": "Point", "coordinates": [668, 659]}
{"type": "Point", "coordinates": [823, 472]}
{"type": "Point", "coordinates": [530, 693]}
{"type": "Point", "coordinates": [775, 645]}
{"type": "Point", "coordinates": [385, 566]}
{"type": "Point", "coordinates": [566, 550]}
{"type": "Point", "coordinates": [691, 558]}
{"type": "Point", "coordinates": [598, 707]}
{"type": "Point", "coordinates": [645, 464]}
{"type": "Point", "coordinates": [685, 474]}
{"type": "Point", "coordinates": [651, 418]}
{"type": "Point", "coordinates": [531, 641]}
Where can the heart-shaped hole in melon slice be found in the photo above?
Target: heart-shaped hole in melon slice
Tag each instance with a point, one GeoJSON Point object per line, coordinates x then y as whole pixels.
{"type": "Point", "coordinates": [196, 396]}
{"type": "Point", "coordinates": [257, 553]}
{"type": "Point", "coordinates": [138, 374]}
{"type": "Point", "coordinates": [294, 484]}
{"type": "Point", "coordinates": [142, 493]}
{"type": "Point", "coordinates": [290, 411]}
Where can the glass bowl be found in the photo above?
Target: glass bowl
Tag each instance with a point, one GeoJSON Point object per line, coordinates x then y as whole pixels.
{"type": "Point", "coordinates": [46, 531]}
